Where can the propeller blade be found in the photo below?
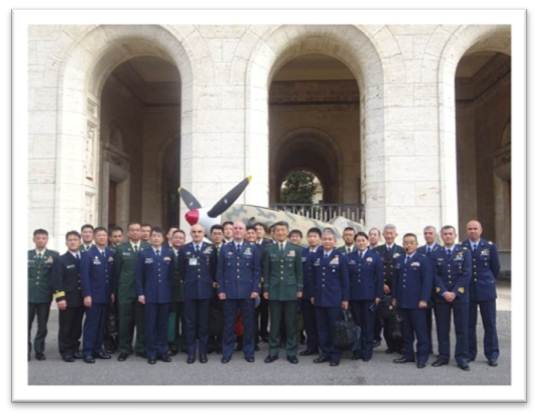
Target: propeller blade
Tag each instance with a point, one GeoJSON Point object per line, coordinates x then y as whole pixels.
{"type": "Point", "coordinates": [189, 199]}
{"type": "Point", "coordinates": [227, 200]}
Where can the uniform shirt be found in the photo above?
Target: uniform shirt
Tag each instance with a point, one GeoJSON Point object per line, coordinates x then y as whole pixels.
{"type": "Point", "coordinates": [452, 272]}
{"type": "Point", "coordinates": [239, 270]}
{"type": "Point", "coordinates": [331, 278]}
{"type": "Point", "coordinates": [485, 269]}
{"type": "Point", "coordinates": [197, 266]}
{"type": "Point", "coordinates": [413, 280]}
{"type": "Point", "coordinates": [96, 270]}
{"type": "Point", "coordinates": [365, 275]}
{"type": "Point", "coordinates": [154, 274]}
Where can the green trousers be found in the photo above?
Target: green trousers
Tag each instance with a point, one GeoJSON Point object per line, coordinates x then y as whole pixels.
{"type": "Point", "coordinates": [289, 310]}
{"type": "Point", "coordinates": [131, 315]}
{"type": "Point", "coordinates": [174, 319]}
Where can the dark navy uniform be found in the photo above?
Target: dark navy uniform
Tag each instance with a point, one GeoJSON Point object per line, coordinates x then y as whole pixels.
{"type": "Point", "coordinates": [365, 285]}
{"type": "Point", "coordinates": [309, 311]}
{"type": "Point", "coordinates": [238, 275]}
{"type": "Point", "coordinates": [154, 274]}
{"type": "Point", "coordinates": [389, 256]}
{"type": "Point", "coordinates": [96, 270]}
{"type": "Point", "coordinates": [429, 251]}
{"type": "Point", "coordinates": [413, 283]}
{"type": "Point", "coordinates": [452, 274]}
{"type": "Point", "coordinates": [331, 287]}
{"type": "Point", "coordinates": [197, 263]}
{"type": "Point", "coordinates": [483, 292]}
{"type": "Point", "coordinates": [68, 287]}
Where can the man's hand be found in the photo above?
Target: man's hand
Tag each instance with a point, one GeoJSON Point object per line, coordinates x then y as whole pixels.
{"type": "Point", "coordinates": [266, 295]}
{"type": "Point", "coordinates": [215, 284]}
{"type": "Point", "coordinates": [222, 296]}
{"type": "Point", "coordinates": [449, 296]}
{"type": "Point", "coordinates": [299, 295]}
{"type": "Point", "coordinates": [88, 301]}
{"type": "Point", "coordinates": [386, 289]}
{"type": "Point", "coordinates": [377, 300]}
{"type": "Point", "coordinates": [422, 304]}
{"type": "Point", "coordinates": [112, 298]}
{"type": "Point", "coordinates": [345, 305]}
{"type": "Point", "coordinates": [62, 305]}
{"type": "Point", "coordinates": [312, 300]}
{"type": "Point", "coordinates": [142, 299]}
{"type": "Point", "coordinates": [254, 295]}
{"type": "Point", "coordinates": [393, 302]}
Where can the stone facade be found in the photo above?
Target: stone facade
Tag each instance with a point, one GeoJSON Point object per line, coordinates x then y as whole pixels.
{"type": "Point", "coordinates": [396, 136]}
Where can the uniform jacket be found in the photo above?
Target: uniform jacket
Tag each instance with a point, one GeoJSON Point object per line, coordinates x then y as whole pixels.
{"type": "Point", "coordinates": [154, 274]}
{"type": "Point", "coordinates": [331, 278]}
{"type": "Point", "coordinates": [40, 284]}
{"type": "Point", "coordinates": [283, 271]}
{"type": "Point", "coordinates": [308, 276]}
{"type": "Point", "coordinates": [485, 269]}
{"type": "Point", "coordinates": [125, 260]}
{"type": "Point", "coordinates": [389, 257]}
{"type": "Point", "coordinates": [67, 284]}
{"type": "Point", "coordinates": [96, 271]}
{"type": "Point", "coordinates": [365, 275]}
{"type": "Point", "coordinates": [238, 272]}
{"type": "Point", "coordinates": [197, 270]}
{"type": "Point", "coordinates": [453, 273]}
{"type": "Point", "coordinates": [413, 281]}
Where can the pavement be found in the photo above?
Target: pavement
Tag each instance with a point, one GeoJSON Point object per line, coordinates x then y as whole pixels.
{"type": "Point", "coordinates": [379, 371]}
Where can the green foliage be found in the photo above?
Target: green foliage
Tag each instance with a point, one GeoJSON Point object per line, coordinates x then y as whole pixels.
{"type": "Point", "coordinates": [298, 188]}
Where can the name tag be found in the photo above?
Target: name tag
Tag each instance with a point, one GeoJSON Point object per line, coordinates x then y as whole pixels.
{"type": "Point", "coordinates": [148, 260]}
{"type": "Point", "coordinates": [110, 259]}
{"type": "Point", "coordinates": [369, 259]}
{"type": "Point", "coordinates": [335, 260]}
{"type": "Point", "coordinates": [291, 254]}
{"type": "Point", "coordinates": [193, 261]}
{"type": "Point", "coordinates": [126, 253]}
{"type": "Point", "coordinates": [96, 261]}
{"type": "Point", "coordinates": [70, 266]}
{"type": "Point", "coordinates": [167, 259]}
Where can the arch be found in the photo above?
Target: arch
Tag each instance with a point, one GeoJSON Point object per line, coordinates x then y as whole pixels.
{"type": "Point", "coordinates": [85, 68]}
{"type": "Point", "coordinates": [356, 50]}
{"type": "Point", "coordinates": [465, 39]}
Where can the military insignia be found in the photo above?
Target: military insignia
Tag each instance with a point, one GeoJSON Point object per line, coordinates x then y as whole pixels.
{"type": "Point", "coordinates": [437, 289]}
{"type": "Point", "coordinates": [208, 250]}
{"type": "Point", "coordinates": [229, 253]}
{"type": "Point", "coordinates": [291, 254]}
{"type": "Point", "coordinates": [96, 261]}
{"type": "Point", "coordinates": [49, 260]}
{"type": "Point", "coordinates": [70, 266]}
{"type": "Point", "coordinates": [110, 259]}
{"type": "Point", "coordinates": [396, 255]}
{"type": "Point", "coordinates": [303, 259]}
{"type": "Point", "coordinates": [461, 290]}
{"type": "Point", "coordinates": [167, 259]}
{"type": "Point", "coordinates": [317, 262]}
{"type": "Point", "coordinates": [248, 251]}
{"type": "Point", "coordinates": [352, 262]}
{"type": "Point", "coordinates": [335, 260]}
{"type": "Point", "coordinates": [459, 256]}
{"type": "Point", "coordinates": [369, 260]}
{"type": "Point", "coordinates": [188, 253]}
{"type": "Point", "coordinates": [148, 260]}
{"type": "Point", "coordinates": [126, 253]}
{"type": "Point", "coordinates": [485, 252]}
{"type": "Point", "coordinates": [415, 264]}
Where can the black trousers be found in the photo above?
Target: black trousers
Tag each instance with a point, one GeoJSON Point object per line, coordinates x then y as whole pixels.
{"type": "Point", "coordinates": [110, 336]}
{"type": "Point", "coordinates": [262, 318]}
{"type": "Point", "coordinates": [70, 330]}
{"type": "Point", "coordinates": [41, 310]}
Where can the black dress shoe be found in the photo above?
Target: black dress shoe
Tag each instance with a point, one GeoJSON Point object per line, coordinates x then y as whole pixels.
{"type": "Point", "coordinates": [141, 354]}
{"type": "Point", "coordinates": [439, 362]}
{"type": "Point", "coordinates": [165, 358]}
{"type": "Point", "coordinates": [464, 366]}
{"type": "Point", "coordinates": [377, 343]}
{"type": "Point", "coordinates": [203, 358]}
{"type": "Point", "coordinates": [256, 348]}
{"type": "Point", "coordinates": [293, 360]}
{"type": "Point", "coordinates": [249, 359]}
{"type": "Point", "coordinates": [366, 359]}
{"type": "Point", "coordinates": [152, 361]}
{"type": "Point", "coordinates": [334, 363]}
{"type": "Point", "coordinates": [123, 356]}
{"type": "Point", "coordinates": [89, 359]}
{"type": "Point", "coordinates": [421, 365]}
{"type": "Point", "coordinates": [78, 355]}
{"type": "Point", "coordinates": [321, 359]}
{"type": "Point", "coordinates": [356, 356]}
{"type": "Point", "coordinates": [191, 359]}
{"type": "Point", "coordinates": [493, 363]}
{"type": "Point", "coordinates": [307, 352]}
{"type": "Point", "coordinates": [265, 339]}
{"type": "Point", "coordinates": [225, 360]}
{"type": "Point", "coordinates": [102, 355]}
{"type": "Point", "coordinates": [390, 351]}
{"type": "Point", "coordinates": [403, 360]}
{"type": "Point", "coordinates": [68, 359]}
{"type": "Point", "coordinates": [270, 359]}
{"type": "Point", "coordinates": [39, 356]}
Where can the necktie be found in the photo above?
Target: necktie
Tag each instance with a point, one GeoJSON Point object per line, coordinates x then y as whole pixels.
{"type": "Point", "coordinates": [238, 247]}
{"type": "Point", "coordinates": [136, 248]}
{"type": "Point", "coordinates": [158, 252]}
{"type": "Point", "coordinates": [474, 246]}
{"type": "Point", "coordinates": [77, 256]}
{"type": "Point", "coordinates": [196, 248]}
{"type": "Point", "coordinates": [361, 254]}
{"type": "Point", "coordinates": [406, 259]}
{"type": "Point", "coordinates": [39, 256]}
{"type": "Point", "coordinates": [448, 251]}
{"type": "Point", "coordinates": [429, 249]}
{"type": "Point", "coordinates": [281, 246]}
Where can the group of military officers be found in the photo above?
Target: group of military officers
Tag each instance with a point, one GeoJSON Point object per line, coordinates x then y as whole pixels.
{"type": "Point", "coordinates": [169, 292]}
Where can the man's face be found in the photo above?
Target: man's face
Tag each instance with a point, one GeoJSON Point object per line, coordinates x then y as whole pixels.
{"type": "Point", "coordinates": [239, 231]}
{"type": "Point", "coordinates": [328, 241]}
{"type": "Point", "coordinates": [40, 241]}
{"type": "Point", "coordinates": [260, 231]}
{"type": "Point", "coordinates": [197, 233]}
{"type": "Point", "coordinates": [389, 235]}
{"type": "Point", "coordinates": [217, 236]}
{"type": "Point", "coordinates": [251, 235]}
{"type": "Point", "coordinates": [295, 238]}
{"type": "Point", "coordinates": [474, 230]}
{"type": "Point", "coordinates": [229, 231]}
{"type": "Point", "coordinates": [348, 237]}
{"type": "Point", "coordinates": [134, 232]}
{"type": "Point", "coordinates": [72, 242]}
{"type": "Point", "coordinates": [170, 233]}
{"type": "Point", "coordinates": [361, 242]}
{"type": "Point", "coordinates": [313, 239]}
{"type": "Point", "coordinates": [281, 233]}
{"type": "Point", "coordinates": [410, 244]}
{"type": "Point", "coordinates": [448, 236]}
{"type": "Point", "coordinates": [156, 239]}
{"type": "Point", "coordinates": [145, 233]}
{"type": "Point", "coordinates": [116, 237]}
{"type": "Point", "coordinates": [87, 235]}
{"type": "Point", "coordinates": [373, 237]}
{"type": "Point", "coordinates": [429, 235]}
{"type": "Point", "coordinates": [101, 238]}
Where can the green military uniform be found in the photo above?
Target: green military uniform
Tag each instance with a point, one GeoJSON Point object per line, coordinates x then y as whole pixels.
{"type": "Point", "coordinates": [345, 249]}
{"type": "Point", "coordinates": [283, 272]}
{"type": "Point", "coordinates": [176, 307]}
{"type": "Point", "coordinates": [84, 248]}
{"type": "Point", "coordinates": [40, 267]}
{"type": "Point", "coordinates": [130, 311]}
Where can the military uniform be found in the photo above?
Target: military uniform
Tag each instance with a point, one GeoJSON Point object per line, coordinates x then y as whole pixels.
{"type": "Point", "coordinates": [176, 315]}
{"type": "Point", "coordinates": [347, 249]}
{"type": "Point", "coordinates": [197, 264]}
{"type": "Point", "coordinates": [262, 311]}
{"type": "Point", "coordinates": [238, 275]}
{"type": "Point", "coordinates": [68, 287]}
{"type": "Point", "coordinates": [365, 285]}
{"type": "Point", "coordinates": [216, 315]}
{"type": "Point", "coordinates": [309, 311]}
{"type": "Point", "coordinates": [331, 287]}
{"type": "Point", "coordinates": [40, 267]}
{"type": "Point", "coordinates": [413, 283]}
{"type": "Point", "coordinates": [283, 272]}
{"type": "Point", "coordinates": [452, 274]}
{"type": "Point", "coordinates": [485, 269]}
{"type": "Point", "coordinates": [130, 311]}
{"type": "Point", "coordinates": [96, 272]}
{"type": "Point", "coordinates": [429, 251]}
{"type": "Point", "coordinates": [389, 256]}
{"type": "Point", "coordinates": [154, 274]}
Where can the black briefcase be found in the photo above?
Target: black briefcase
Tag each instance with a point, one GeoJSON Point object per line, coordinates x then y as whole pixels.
{"type": "Point", "coordinates": [347, 334]}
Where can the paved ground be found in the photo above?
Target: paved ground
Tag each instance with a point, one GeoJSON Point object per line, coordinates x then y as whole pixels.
{"type": "Point", "coordinates": [380, 370]}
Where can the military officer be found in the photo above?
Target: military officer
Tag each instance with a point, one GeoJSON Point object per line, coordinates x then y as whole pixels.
{"type": "Point", "coordinates": [115, 236]}
{"type": "Point", "coordinates": [251, 234]}
{"type": "Point", "coordinates": [86, 232]}
{"type": "Point", "coordinates": [389, 252]}
{"type": "Point", "coordinates": [373, 237]}
{"type": "Point", "coordinates": [238, 277]}
{"type": "Point", "coordinates": [41, 263]}
{"type": "Point", "coordinates": [412, 291]}
{"type": "Point", "coordinates": [295, 236]}
{"type": "Point", "coordinates": [154, 274]}
{"type": "Point", "coordinates": [68, 296]}
{"type": "Point", "coordinates": [197, 263]}
{"type": "Point", "coordinates": [96, 269]}
{"type": "Point", "coordinates": [130, 311]}
{"type": "Point", "coordinates": [309, 312]}
{"type": "Point", "coordinates": [176, 315]}
{"type": "Point", "coordinates": [365, 292]}
{"type": "Point", "coordinates": [283, 285]}
{"type": "Point", "coordinates": [348, 236]}
{"type": "Point", "coordinates": [115, 239]}
{"type": "Point", "coordinates": [428, 249]}
{"type": "Point", "coordinates": [145, 231]}
{"type": "Point", "coordinates": [228, 227]}
{"type": "Point", "coordinates": [330, 294]}
{"type": "Point", "coordinates": [483, 293]}
{"type": "Point", "coordinates": [452, 275]}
